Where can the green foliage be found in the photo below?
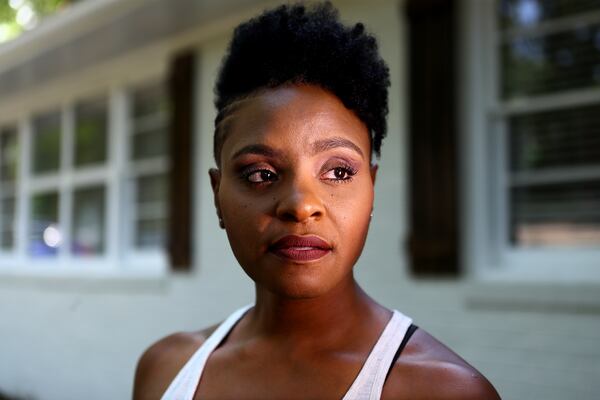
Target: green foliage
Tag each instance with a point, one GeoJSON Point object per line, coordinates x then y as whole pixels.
{"type": "Point", "coordinates": [10, 26]}
{"type": "Point", "coordinates": [7, 14]}
{"type": "Point", "coordinates": [47, 7]}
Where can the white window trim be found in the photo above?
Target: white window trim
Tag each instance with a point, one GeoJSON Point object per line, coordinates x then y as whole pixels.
{"type": "Point", "coordinates": [118, 259]}
{"type": "Point", "coordinates": [488, 257]}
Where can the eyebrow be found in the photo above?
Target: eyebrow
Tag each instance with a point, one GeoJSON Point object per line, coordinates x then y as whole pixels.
{"type": "Point", "coordinates": [317, 147]}
{"type": "Point", "coordinates": [331, 143]}
{"type": "Point", "coordinates": [259, 149]}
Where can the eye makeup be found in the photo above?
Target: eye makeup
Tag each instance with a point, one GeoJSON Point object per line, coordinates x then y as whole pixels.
{"type": "Point", "coordinates": [339, 162]}
{"type": "Point", "coordinates": [336, 169]}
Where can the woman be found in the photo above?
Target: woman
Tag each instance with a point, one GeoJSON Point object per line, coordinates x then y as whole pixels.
{"type": "Point", "coordinates": [302, 102]}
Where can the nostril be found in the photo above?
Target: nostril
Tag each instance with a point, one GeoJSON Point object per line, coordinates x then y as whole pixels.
{"type": "Point", "coordinates": [299, 209]}
{"type": "Point", "coordinates": [301, 215]}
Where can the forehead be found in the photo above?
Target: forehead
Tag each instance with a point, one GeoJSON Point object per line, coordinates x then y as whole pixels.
{"type": "Point", "coordinates": [290, 118]}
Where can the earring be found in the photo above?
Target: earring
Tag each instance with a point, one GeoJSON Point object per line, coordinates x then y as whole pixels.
{"type": "Point", "coordinates": [221, 223]}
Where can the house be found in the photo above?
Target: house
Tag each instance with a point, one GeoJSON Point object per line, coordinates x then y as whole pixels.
{"type": "Point", "coordinates": [486, 226]}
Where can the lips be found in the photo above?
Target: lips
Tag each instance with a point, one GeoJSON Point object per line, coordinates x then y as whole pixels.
{"type": "Point", "coordinates": [300, 248]}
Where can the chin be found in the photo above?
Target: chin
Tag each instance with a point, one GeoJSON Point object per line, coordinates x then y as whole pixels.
{"type": "Point", "coordinates": [296, 282]}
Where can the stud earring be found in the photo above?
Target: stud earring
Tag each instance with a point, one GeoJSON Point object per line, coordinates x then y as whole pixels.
{"type": "Point", "coordinates": [221, 223]}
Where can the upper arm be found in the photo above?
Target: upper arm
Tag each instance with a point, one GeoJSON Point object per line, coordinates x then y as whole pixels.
{"type": "Point", "coordinates": [427, 369]}
{"type": "Point", "coordinates": [463, 382]}
{"type": "Point", "coordinates": [160, 363]}
{"type": "Point", "coordinates": [145, 383]}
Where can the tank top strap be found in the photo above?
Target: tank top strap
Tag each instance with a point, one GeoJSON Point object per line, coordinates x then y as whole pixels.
{"type": "Point", "coordinates": [186, 382]}
{"type": "Point", "coordinates": [369, 381]}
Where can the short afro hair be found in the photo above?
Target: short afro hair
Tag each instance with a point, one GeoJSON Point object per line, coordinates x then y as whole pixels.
{"type": "Point", "coordinates": [296, 44]}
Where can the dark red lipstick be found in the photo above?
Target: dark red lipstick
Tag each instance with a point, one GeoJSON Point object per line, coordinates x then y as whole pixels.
{"type": "Point", "coordinates": [300, 248]}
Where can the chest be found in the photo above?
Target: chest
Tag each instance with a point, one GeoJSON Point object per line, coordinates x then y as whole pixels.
{"type": "Point", "coordinates": [277, 376]}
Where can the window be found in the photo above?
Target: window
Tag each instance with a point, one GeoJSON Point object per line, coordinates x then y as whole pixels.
{"type": "Point", "coordinates": [549, 61]}
{"type": "Point", "coordinates": [539, 95]}
{"type": "Point", "coordinates": [67, 201]}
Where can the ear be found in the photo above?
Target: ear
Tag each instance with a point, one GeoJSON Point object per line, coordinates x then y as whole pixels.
{"type": "Point", "coordinates": [374, 168]}
{"type": "Point", "coordinates": [215, 182]}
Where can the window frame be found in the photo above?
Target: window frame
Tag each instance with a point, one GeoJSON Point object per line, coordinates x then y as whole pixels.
{"type": "Point", "coordinates": [488, 252]}
{"type": "Point", "coordinates": [136, 169]}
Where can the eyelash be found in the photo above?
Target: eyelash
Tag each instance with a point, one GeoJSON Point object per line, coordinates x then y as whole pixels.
{"type": "Point", "coordinates": [348, 169]}
{"type": "Point", "coordinates": [247, 174]}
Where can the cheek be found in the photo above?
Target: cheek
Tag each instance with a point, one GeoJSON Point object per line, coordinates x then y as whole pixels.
{"type": "Point", "coordinates": [244, 219]}
{"type": "Point", "coordinates": [234, 204]}
{"type": "Point", "coordinates": [351, 213]}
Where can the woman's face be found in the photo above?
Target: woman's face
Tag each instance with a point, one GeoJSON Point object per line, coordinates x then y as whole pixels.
{"type": "Point", "coordinates": [295, 189]}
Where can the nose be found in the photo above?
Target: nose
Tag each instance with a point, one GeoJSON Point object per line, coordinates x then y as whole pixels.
{"type": "Point", "coordinates": [300, 201]}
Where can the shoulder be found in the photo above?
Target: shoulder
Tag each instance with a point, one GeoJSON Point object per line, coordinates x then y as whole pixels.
{"type": "Point", "coordinates": [427, 369]}
{"type": "Point", "coordinates": [161, 362]}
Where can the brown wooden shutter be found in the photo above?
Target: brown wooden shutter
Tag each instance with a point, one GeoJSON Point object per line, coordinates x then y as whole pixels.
{"type": "Point", "coordinates": [181, 93]}
{"type": "Point", "coordinates": [433, 242]}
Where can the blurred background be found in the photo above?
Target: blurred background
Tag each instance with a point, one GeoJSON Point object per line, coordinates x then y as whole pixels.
{"type": "Point", "coordinates": [487, 217]}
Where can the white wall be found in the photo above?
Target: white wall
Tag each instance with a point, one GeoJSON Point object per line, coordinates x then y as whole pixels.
{"type": "Point", "coordinates": [80, 339]}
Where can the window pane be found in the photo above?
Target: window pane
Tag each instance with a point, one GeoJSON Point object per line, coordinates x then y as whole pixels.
{"type": "Point", "coordinates": [45, 235]}
{"type": "Point", "coordinates": [150, 234]}
{"type": "Point", "coordinates": [46, 143]}
{"type": "Point", "coordinates": [149, 122]}
{"type": "Point", "coordinates": [558, 138]}
{"type": "Point", "coordinates": [548, 64]}
{"type": "Point", "coordinates": [149, 144]}
{"type": "Point", "coordinates": [7, 223]}
{"type": "Point", "coordinates": [152, 189]}
{"type": "Point", "coordinates": [556, 215]}
{"type": "Point", "coordinates": [151, 192]}
{"type": "Point", "coordinates": [521, 13]}
{"type": "Point", "coordinates": [88, 221]}
{"type": "Point", "coordinates": [9, 155]}
{"type": "Point", "coordinates": [91, 122]}
{"type": "Point", "coordinates": [149, 100]}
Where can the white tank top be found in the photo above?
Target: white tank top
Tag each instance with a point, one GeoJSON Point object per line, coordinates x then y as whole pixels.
{"type": "Point", "coordinates": [367, 385]}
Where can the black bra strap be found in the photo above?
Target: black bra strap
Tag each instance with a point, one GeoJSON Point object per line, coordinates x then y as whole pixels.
{"type": "Point", "coordinates": [411, 329]}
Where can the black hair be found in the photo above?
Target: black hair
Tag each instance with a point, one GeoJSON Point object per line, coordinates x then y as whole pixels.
{"type": "Point", "coordinates": [297, 44]}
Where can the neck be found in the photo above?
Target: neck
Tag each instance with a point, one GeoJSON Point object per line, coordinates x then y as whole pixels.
{"type": "Point", "coordinates": [330, 316]}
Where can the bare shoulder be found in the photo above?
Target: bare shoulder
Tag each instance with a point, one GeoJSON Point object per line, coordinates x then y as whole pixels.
{"type": "Point", "coordinates": [161, 362]}
{"type": "Point", "coordinates": [427, 369]}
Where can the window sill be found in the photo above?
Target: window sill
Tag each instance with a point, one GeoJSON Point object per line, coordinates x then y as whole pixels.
{"type": "Point", "coordinates": [126, 280]}
{"type": "Point", "coordinates": [561, 269]}
{"type": "Point", "coordinates": [540, 297]}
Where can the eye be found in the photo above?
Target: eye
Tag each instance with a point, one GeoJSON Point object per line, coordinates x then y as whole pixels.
{"type": "Point", "coordinates": [261, 176]}
{"type": "Point", "coordinates": [339, 174]}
